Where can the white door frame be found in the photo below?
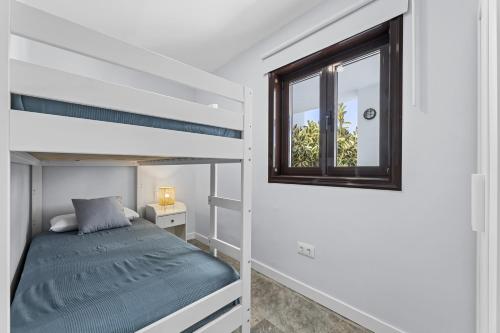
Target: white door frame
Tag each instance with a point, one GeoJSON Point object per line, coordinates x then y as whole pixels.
{"type": "Point", "coordinates": [486, 223]}
{"type": "Point", "coordinates": [4, 168]}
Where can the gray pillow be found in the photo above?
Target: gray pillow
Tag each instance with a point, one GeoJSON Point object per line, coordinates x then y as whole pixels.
{"type": "Point", "coordinates": [99, 214]}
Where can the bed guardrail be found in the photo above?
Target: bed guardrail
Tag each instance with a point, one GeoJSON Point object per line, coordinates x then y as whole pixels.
{"type": "Point", "coordinates": [43, 82]}
{"type": "Point", "coordinates": [67, 35]}
{"type": "Point", "coordinates": [39, 81]}
{"type": "Point", "coordinates": [59, 134]}
{"type": "Point", "coordinates": [199, 310]}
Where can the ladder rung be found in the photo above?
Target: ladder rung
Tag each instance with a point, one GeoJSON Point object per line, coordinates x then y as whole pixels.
{"type": "Point", "coordinates": [226, 248]}
{"type": "Point", "coordinates": [224, 203]}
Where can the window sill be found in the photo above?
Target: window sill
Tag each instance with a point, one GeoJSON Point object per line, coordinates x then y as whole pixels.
{"type": "Point", "coordinates": [378, 183]}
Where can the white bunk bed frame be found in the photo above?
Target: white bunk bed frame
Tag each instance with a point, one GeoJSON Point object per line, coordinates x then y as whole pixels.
{"type": "Point", "coordinates": [35, 132]}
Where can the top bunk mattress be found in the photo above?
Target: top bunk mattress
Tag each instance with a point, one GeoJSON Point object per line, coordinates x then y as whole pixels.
{"type": "Point", "coordinates": [58, 108]}
{"type": "Point", "coordinates": [117, 280]}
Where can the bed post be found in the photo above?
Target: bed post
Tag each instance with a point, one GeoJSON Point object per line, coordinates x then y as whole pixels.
{"type": "Point", "coordinates": [246, 212]}
{"type": "Point", "coordinates": [4, 167]}
{"type": "Point", "coordinates": [36, 200]}
{"type": "Point", "coordinates": [139, 192]}
{"type": "Point", "coordinates": [213, 209]}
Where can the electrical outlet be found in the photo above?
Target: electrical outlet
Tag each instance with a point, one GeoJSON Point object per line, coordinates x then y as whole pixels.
{"type": "Point", "coordinates": [306, 249]}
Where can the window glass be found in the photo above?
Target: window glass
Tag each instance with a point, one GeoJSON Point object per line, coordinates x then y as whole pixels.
{"type": "Point", "coordinates": [335, 116]}
{"type": "Point", "coordinates": [304, 134]}
{"type": "Point", "coordinates": [358, 111]}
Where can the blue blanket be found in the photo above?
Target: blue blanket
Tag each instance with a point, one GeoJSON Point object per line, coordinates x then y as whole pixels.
{"type": "Point", "coordinates": [117, 280]}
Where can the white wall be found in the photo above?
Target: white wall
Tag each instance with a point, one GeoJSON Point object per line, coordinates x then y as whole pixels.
{"type": "Point", "coordinates": [406, 258]}
{"type": "Point", "coordinates": [20, 210]}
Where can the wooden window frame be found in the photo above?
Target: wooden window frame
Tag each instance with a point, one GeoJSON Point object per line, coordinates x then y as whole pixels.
{"type": "Point", "coordinates": [386, 37]}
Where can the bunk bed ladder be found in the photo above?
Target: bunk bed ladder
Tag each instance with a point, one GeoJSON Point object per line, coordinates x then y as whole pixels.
{"type": "Point", "coordinates": [243, 254]}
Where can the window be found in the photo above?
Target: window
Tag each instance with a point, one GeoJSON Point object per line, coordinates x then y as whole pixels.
{"type": "Point", "coordinates": [335, 116]}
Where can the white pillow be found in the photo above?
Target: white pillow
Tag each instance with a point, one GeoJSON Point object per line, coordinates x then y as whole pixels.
{"type": "Point", "coordinates": [130, 214]}
{"type": "Point", "coordinates": [68, 222]}
{"type": "Point", "coordinates": [63, 223]}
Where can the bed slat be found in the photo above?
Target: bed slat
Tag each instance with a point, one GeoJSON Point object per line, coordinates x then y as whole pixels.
{"type": "Point", "coordinates": [64, 34]}
{"type": "Point", "coordinates": [186, 161]}
{"type": "Point", "coordinates": [226, 323]}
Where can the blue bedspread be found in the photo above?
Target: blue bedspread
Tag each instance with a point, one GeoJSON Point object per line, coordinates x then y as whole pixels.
{"type": "Point", "coordinates": [117, 280]}
{"type": "Point", "coordinates": [58, 108]}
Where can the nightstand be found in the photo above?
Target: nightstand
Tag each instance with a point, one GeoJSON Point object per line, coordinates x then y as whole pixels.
{"type": "Point", "coordinates": [171, 218]}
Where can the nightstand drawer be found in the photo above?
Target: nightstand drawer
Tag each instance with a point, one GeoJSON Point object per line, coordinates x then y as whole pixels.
{"type": "Point", "coordinates": [171, 220]}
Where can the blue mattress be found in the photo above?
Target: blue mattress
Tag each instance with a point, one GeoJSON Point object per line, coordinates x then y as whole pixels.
{"type": "Point", "coordinates": [47, 106]}
{"type": "Point", "coordinates": [117, 280]}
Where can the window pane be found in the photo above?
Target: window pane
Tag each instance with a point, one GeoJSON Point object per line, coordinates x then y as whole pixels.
{"type": "Point", "coordinates": [358, 113]}
{"type": "Point", "coordinates": [304, 122]}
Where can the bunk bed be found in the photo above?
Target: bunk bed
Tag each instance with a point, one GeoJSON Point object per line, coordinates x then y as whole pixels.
{"type": "Point", "coordinates": [78, 120]}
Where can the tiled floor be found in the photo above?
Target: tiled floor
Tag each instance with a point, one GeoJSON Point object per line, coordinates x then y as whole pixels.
{"type": "Point", "coordinates": [277, 309]}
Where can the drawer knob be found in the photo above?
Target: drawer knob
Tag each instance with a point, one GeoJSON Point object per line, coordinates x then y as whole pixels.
{"type": "Point", "coordinates": [172, 221]}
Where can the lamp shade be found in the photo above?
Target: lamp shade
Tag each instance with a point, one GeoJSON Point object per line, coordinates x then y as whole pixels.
{"type": "Point", "coordinates": [166, 195]}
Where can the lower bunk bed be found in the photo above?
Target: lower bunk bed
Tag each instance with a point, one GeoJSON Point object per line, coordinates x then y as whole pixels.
{"type": "Point", "coordinates": [115, 280]}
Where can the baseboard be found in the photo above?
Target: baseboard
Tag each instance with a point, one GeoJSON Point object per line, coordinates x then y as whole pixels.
{"type": "Point", "coordinates": [201, 238]}
{"type": "Point", "coordinates": [362, 318]}
{"type": "Point", "coordinates": [190, 235]}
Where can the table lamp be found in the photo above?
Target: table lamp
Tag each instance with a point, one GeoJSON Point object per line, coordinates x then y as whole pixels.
{"type": "Point", "coordinates": [166, 195]}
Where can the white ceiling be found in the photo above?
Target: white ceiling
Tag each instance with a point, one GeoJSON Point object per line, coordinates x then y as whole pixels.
{"type": "Point", "coordinates": [203, 33]}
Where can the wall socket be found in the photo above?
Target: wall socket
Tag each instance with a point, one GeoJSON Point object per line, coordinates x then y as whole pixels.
{"type": "Point", "coordinates": [306, 249]}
